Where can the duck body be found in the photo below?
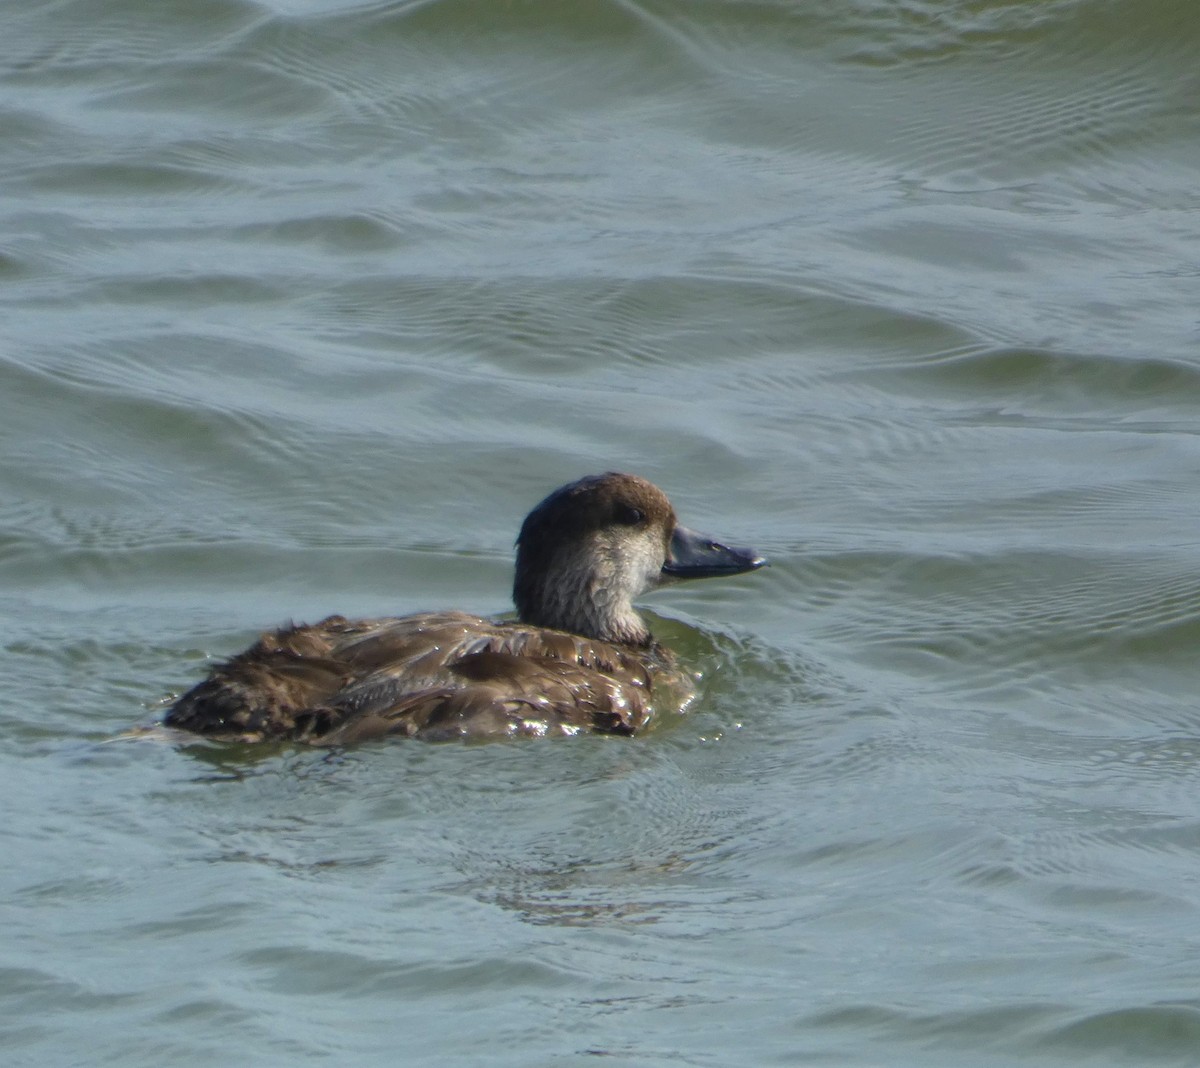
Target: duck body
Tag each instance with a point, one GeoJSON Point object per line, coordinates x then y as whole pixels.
{"type": "Point", "coordinates": [578, 660]}
{"type": "Point", "coordinates": [437, 675]}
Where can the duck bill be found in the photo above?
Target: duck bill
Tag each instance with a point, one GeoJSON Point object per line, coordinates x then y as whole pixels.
{"type": "Point", "coordinates": [693, 555]}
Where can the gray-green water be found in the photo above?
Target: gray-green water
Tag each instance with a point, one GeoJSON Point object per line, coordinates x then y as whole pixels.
{"type": "Point", "coordinates": [303, 304]}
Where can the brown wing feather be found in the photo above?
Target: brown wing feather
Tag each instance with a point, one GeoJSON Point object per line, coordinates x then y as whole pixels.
{"type": "Point", "coordinates": [260, 693]}
{"type": "Point", "coordinates": [495, 694]}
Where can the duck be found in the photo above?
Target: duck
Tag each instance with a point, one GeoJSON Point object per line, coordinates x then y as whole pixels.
{"type": "Point", "coordinates": [577, 659]}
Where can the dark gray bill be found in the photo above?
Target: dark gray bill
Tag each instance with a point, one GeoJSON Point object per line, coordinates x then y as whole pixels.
{"type": "Point", "coordinates": [693, 555]}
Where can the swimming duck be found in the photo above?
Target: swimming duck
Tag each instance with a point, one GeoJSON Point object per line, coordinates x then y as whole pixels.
{"type": "Point", "coordinates": [577, 659]}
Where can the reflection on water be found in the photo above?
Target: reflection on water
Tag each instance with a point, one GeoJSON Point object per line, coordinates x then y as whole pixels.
{"type": "Point", "coordinates": [306, 303]}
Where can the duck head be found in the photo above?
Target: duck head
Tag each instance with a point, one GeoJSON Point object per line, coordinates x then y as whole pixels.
{"type": "Point", "coordinates": [592, 547]}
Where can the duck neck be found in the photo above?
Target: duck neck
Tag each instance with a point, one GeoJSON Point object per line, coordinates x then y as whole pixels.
{"type": "Point", "coordinates": [579, 601]}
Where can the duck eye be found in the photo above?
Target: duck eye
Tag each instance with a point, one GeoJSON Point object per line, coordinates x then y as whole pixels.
{"type": "Point", "coordinates": [630, 516]}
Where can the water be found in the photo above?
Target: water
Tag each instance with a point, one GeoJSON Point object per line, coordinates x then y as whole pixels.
{"type": "Point", "coordinates": [304, 304]}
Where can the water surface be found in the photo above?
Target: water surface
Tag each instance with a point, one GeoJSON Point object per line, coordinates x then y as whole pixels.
{"type": "Point", "coordinates": [304, 304]}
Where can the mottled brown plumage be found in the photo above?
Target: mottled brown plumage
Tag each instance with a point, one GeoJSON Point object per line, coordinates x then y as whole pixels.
{"type": "Point", "coordinates": [579, 659]}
